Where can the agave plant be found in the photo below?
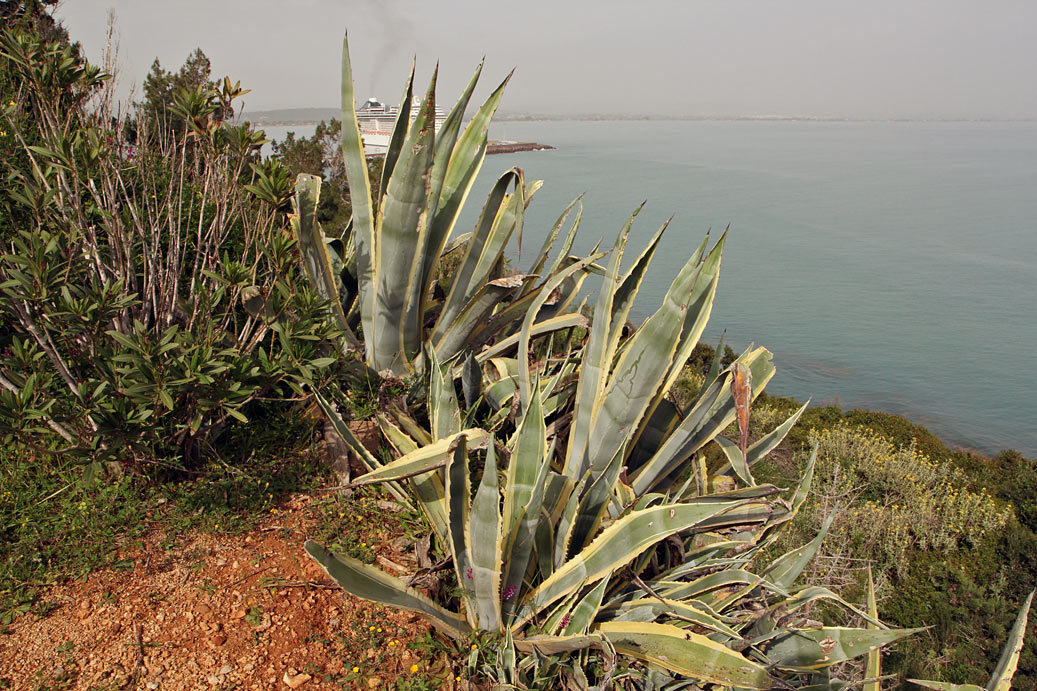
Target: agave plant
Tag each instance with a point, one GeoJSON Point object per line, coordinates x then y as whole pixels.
{"type": "Point", "coordinates": [382, 272]}
{"type": "Point", "coordinates": [599, 544]}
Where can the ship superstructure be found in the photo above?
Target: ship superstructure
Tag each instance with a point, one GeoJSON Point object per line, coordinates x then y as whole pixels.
{"type": "Point", "coordinates": [377, 119]}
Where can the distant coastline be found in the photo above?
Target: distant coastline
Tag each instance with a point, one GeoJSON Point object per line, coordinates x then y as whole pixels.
{"type": "Point", "coordinates": [313, 116]}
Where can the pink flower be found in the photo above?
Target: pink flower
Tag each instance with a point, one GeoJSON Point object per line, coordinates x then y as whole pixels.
{"type": "Point", "coordinates": [509, 592]}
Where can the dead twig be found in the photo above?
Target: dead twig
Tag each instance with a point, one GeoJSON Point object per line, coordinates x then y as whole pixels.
{"type": "Point", "coordinates": [131, 680]}
{"type": "Point", "coordinates": [246, 577]}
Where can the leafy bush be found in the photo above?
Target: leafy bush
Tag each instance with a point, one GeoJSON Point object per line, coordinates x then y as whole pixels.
{"type": "Point", "coordinates": [148, 297]}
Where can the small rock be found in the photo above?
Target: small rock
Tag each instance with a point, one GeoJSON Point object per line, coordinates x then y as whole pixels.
{"type": "Point", "coordinates": [238, 613]}
{"type": "Point", "coordinates": [221, 562]}
{"type": "Point", "coordinates": [266, 623]}
{"type": "Point", "coordinates": [156, 670]}
{"type": "Point", "coordinates": [373, 682]}
{"type": "Point", "coordinates": [294, 680]}
{"type": "Point", "coordinates": [213, 680]}
{"type": "Point", "coordinates": [248, 667]}
{"type": "Point", "coordinates": [218, 639]}
{"type": "Point", "coordinates": [226, 669]}
{"type": "Point", "coordinates": [203, 609]}
{"type": "Point", "coordinates": [152, 685]}
{"type": "Point", "coordinates": [234, 565]}
{"type": "Point", "coordinates": [60, 673]}
{"type": "Point", "coordinates": [160, 617]}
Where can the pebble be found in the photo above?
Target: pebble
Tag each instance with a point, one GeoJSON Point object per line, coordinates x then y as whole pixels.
{"type": "Point", "coordinates": [152, 685]}
{"type": "Point", "coordinates": [221, 562]}
{"type": "Point", "coordinates": [226, 669]}
{"type": "Point", "coordinates": [203, 609]}
{"type": "Point", "coordinates": [294, 680]}
{"type": "Point", "coordinates": [218, 639]}
{"type": "Point", "coordinates": [213, 680]}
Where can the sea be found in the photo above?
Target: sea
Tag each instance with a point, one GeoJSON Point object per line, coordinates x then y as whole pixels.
{"type": "Point", "coordinates": [889, 266]}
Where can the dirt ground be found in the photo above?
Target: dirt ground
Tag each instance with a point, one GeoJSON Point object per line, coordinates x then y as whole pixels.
{"type": "Point", "coordinates": [216, 612]}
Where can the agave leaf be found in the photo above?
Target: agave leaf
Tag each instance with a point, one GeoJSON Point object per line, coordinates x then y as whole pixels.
{"type": "Point", "coordinates": [802, 650]}
{"type": "Point", "coordinates": [425, 459]}
{"type": "Point", "coordinates": [810, 594]}
{"type": "Point", "coordinates": [645, 362]}
{"type": "Point", "coordinates": [713, 411]}
{"type": "Point", "coordinates": [484, 538]}
{"type": "Point", "coordinates": [400, 130]}
{"type": "Point", "coordinates": [655, 430]}
{"type": "Point", "coordinates": [446, 139]}
{"type": "Point", "coordinates": [735, 460]}
{"type": "Point", "coordinates": [583, 614]}
{"type": "Point", "coordinates": [458, 495]}
{"type": "Point", "coordinates": [500, 392]}
{"type": "Point", "coordinates": [1001, 679]}
{"type": "Point", "coordinates": [471, 381]}
{"type": "Point", "coordinates": [618, 544]}
{"type": "Point", "coordinates": [565, 521]}
{"type": "Point", "coordinates": [715, 366]}
{"type": "Point", "coordinates": [369, 583]}
{"type": "Point", "coordinates": [401, 229]}
{"type": "Point", "coordinates": [444, 412]}
{"type": "Point", "coordinates": [364, 239]}
{"type": "Point", "coordinates": [397, 438]}
{"type": "Point", "coordinates": [355, 445]}
{"type": "Point", "coordinates": [465, 160]}
{"type": "Point", "coordinates": [428, 488]}
{"type": "Point", "coordinates": [686, 652]}
{"type": "Point", "coordinates": [726, 579]}
{"type": "Point", "coordinates": [873, 666]}
{"type": "Point", "coordinates": [491, 233]}
{"type": "Point", "coordinates": [626, 291]}
{"type": "Point", "coordinates": [693, 611]}
{"type": "Point", "coordinates": [762, 446]}
{"type": "Point", "coordinates": [528, 456]}
{"type": "Point", "coordinates": [562, 321]}
{"type": "Point", "coordinates": [696, 314]}
{"type": "Point", "coordinates": [553, 622]}
{"type": "Point", "coordinates": [593, 504]}
{"type": "Point", "coordinates": [473, 316]}
{"type": "Point", "coordinates": [541, 259]}
{"type": "Point", "coordinates": [552, 645]}
{"type": "Point", "coordinates": [409, 425]}
{"type": "Point", "coordinates": [596, 361]}
{"type": "Point", "coordinates": [784, 570]}
{"type": "Point", "coordinates": [523, 496]}
{"type": "Point", "coordinates": [531, 317]}
{"type": "Point", "coordinates": [316, 258]}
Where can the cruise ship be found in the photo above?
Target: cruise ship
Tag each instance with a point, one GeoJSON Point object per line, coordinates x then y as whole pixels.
{"type": "Point", "coordinates": [377, 119]}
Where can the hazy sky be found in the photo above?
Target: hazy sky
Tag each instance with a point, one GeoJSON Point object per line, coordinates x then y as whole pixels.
{"type": "Point", "coordinates": [816, 58]}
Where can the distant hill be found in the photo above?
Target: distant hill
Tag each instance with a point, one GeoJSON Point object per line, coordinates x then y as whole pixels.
{"type": "Point", "coordinates": [290, 116]}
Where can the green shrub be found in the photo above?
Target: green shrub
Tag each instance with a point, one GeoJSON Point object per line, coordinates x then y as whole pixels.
{"type": "Point", "coordinates": [147, 294]}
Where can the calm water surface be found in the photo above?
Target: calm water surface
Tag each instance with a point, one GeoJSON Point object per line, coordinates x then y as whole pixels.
{"type": "Point", "coordinates": [890, 266]}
